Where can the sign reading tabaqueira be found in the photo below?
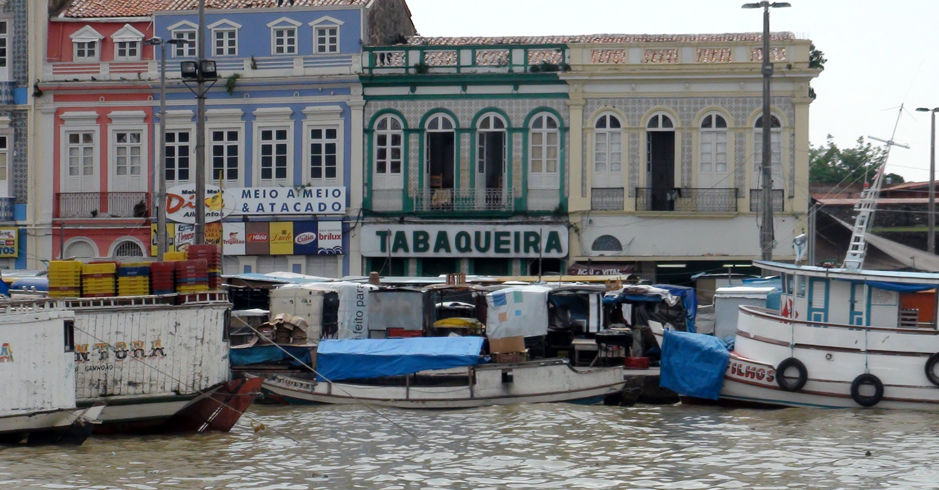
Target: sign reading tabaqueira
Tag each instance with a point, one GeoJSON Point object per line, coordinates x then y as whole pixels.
{"type": "Point", "coordinates": [253, 201]}
{"type": "Point", "coordinates": [462, 241]}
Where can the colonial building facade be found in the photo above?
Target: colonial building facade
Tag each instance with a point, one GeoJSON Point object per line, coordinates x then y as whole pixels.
{"type": "Point", "coordinates": [666, 177]}
{"type": "Point", "coordinates": [467, 158]}
{"type": "Point", "coordinates": [283, 127]}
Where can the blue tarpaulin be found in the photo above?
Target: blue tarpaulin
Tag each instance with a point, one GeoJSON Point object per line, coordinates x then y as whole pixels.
{"type": "Point", "coordinates": [268, 353]}
{"type": "Point", "coordinates": [693, 364]}
{"type": "Point", "coordinates": [900, 288]}
{"type": "Point", "coordinates": [375, 358]}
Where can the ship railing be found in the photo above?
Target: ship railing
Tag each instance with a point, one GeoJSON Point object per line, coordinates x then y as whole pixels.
{"type": "Point", "coordinates": [775, 316]}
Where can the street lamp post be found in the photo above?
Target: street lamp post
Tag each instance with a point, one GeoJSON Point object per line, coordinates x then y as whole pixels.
{"type": "Point", "coordinates": [160, 200]}
{"type": "Point", "coordinates": [931, 219]}
{"type": "Point", "coordinates": [766, 230]}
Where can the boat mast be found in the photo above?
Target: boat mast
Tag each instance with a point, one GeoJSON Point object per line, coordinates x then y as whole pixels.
{"type": "Point", "coordinates": [854, 261]}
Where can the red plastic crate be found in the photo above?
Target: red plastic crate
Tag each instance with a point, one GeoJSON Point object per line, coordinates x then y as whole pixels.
{"type": "Point", "coordinates": [636, 363]}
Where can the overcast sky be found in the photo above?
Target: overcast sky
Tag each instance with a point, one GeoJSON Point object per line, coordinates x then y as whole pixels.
{"type": "Point", "coordinates": [880, 53]}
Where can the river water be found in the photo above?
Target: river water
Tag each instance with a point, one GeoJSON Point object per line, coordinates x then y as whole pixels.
{"type": "Point", "coordinates": [517, 447]}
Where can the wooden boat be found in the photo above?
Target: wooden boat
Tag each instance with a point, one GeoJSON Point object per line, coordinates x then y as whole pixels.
{"type": "Point", "coordinates": [38, 403]}
{"type": "Point", "coordinates": [542, 381]}
{"type": "Point", "coordinates": [155, 359]}
{"type": "Point", "coordinates": [841, 339]}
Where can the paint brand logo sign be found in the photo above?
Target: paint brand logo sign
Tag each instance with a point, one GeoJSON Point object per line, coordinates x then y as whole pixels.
{"type": "Point", "coordinates": [257, 237]}
{"type": "Point", "coordinates": [330, 236]}
{"type": "Point", "coordinates": [305, 238]}
{"type": "Point", "coordinates": [6, 353]}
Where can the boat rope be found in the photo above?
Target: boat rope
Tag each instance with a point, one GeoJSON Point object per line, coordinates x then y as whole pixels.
{"type": "Point", "coordinates": [181, 382]}
{"type": "Point", "coordinates": [350, 395]}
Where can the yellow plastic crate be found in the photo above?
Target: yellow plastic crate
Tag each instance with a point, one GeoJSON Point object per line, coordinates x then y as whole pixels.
{"type": "Point", "coordinates": [65, 265]}
{"type": "Point", "coordinates": [175, 256]}
{"type": "Point", "coordinates": [106, 268]}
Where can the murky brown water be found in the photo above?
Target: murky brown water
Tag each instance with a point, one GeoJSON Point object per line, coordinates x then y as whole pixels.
{"type": "Point", "coordinates": [523, 447]}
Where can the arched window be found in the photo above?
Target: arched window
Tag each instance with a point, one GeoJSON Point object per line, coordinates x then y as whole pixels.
{"type": "Point", "coordinates": [712, 152]}
{"type": "Point", "coordinates": [608, 152]}
{"type": "Point", "coordinates": [776, 151]}
{"type": "Point", "coordinates": [439, 158]}
{"type": "Point", "coordinates": [128, 248]}
{"type": "Point", "coordinates": [661, 121]}
{"type": "Point", "coordinates": [491, 143]}
{"type": "Point", "coordinates": [544, 153]}
{"type": "Point", "coordinates": [389, 152]}
{"type": "Point", "coordinates": [607, 243]}
{"type": "Point", "coordinates": [80, 249]}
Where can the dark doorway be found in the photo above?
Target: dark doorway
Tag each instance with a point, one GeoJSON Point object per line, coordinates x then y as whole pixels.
{"type": "Point", "coordinates": [662, 166]}
{"type": "Point", "coordinates": [492, 267]}
{"type": "Point", "coordinates": [440, 153]}
{"type": "Point", "coordinates": [437, 267]}
{"type": "Point", "coordinates": [492, 165]}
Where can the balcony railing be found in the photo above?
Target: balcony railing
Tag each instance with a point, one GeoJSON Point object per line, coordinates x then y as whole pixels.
{"type": "Point", "coordinates": [458, 59]}
{"type": "Point", "coordinates": [756, 200]}
{"type": "Point", "coordinates": [441, 200]}
{"type": "Point", "coordinates": [607, 199]}
{"type": "Point", "coordinates": [686, 199]}
{"type": "Point", "coordinates": [102, 205]}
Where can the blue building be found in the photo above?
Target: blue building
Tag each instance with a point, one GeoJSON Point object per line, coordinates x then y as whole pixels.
{"type": "Point", "coordinates": [284, 120]}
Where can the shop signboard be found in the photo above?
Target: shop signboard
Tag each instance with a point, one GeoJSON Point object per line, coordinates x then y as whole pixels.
{"type": "Point", "coordinates": [254, 201]}
{"type": "Point", "coordinates": [233, 238]}
{"type": "Point", "coordinates": [8, 237]}
{"type": "Point", "coordinates": [465, 241]}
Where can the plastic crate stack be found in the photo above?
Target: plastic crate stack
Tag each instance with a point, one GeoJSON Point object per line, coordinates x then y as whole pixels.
{"type": "Point", "coordinates": [65, 279]}
{"type": "Point", "coordinates": [213, 259]}
{"type": "Point", "coordinates": [98, 279]}
{"type": "Point", "coordinates": [163, 277]}
{"type": "Point", "coordinates": [174, 256]}
{"type": "Point", "coordinates": [192, 276]}
{"type": "Point", "coordinates": [133, 279]}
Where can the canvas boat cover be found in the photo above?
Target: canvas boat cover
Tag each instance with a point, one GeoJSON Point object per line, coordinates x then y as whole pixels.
{"type": "Point", "coordinates": [693, 364]}
{"type": "Point", "coordinates": [375, 358]}
{"type": "Point", "coordinates": [517, 311]}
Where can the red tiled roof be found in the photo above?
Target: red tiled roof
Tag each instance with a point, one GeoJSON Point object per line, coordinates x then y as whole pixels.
{"type": "Point", "coordinates": [144, 8]}
{"type": "Point", "coordinates": [598, 39]}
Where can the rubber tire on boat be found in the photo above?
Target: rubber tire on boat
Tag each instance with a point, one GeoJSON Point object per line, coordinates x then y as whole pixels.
{"type": "Point", "coordinates": [931, 369]}
{"type": "Point", "coordinates": [867, 401]}
{"type": "Point", "coordinates": [783, 382]}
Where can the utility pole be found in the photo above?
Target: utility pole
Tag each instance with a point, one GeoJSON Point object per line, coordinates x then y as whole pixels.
{"type": "Point", "coordinates": [766, 229]}
{"type": "Point", "coordinates": [200, 130]}
{"type": "Point", "coordinates": [931, 238]}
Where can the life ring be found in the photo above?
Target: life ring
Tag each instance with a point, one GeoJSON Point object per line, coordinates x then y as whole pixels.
{"type": "Point", "coordinates": [867, 401]}
{"type": "Point", "coordinates": [931, 369]}
{"type": "Point", "coordinates": [785, 383]}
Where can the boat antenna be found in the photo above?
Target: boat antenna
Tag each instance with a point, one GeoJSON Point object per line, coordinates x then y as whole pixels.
{"type": "Point", "coordinates": [854, 260]}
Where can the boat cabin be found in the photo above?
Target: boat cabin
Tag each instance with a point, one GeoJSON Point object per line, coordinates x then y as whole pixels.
{"type": "Point", "coordinates": [887, 299]}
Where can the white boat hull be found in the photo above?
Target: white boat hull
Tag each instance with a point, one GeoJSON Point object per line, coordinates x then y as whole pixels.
{"type": "Point", "coordinates": [531, 382]}
{"type": "Point", "coordinates": [833, 356]}
{"type": "Point", "coordinates": [51, 426]}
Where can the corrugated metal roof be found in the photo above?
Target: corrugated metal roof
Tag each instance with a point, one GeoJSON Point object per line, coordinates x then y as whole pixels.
{"type": "Point", "coordinates": [599, 39]}
{"type": "Point", "coordinates": [144, 8]}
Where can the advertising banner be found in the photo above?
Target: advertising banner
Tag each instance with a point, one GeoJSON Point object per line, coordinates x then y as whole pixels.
{"type": "Point", "coordinates": [257, 238]}
{"type": "Point", "coordinates": [305, 238]}
{"type": "Point", "coordinates": [353, 309]}
{"type": "Point", "coordinates": [233, 238]}
{"type": "Point", "coordinates": [185, 236]}
{"type": "Point", "coordinates": [282, 238]}
{"type": "Point", "coordinates": [254, 201]}
{"type": "Point", "coordinates": [464, 240]}
{"type": "Point", "coordinates": [330, 238]}
{"type": "Point", "coordinates": [8, 238]}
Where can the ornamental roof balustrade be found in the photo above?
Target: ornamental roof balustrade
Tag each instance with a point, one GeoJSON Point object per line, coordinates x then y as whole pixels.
{"type": "Point", "coordinates": [481, 59]}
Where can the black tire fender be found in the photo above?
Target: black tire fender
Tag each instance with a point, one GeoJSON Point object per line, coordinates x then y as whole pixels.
{"type": "Point", "coordinates": [784, 382]}
{"type": "Point", "coordinates": [867, 401]}
{"type": "Point", "coordinates": [931, 369]}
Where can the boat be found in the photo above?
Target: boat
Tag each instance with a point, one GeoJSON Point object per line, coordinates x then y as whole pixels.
{"type": "Point", "coordinates": [160, 363]}
{"type": "Point", "coordinates": [842, 338]}
{"type": "Point", "coordinates": [438, 373]}
{"type": "Point", "coordinates": [36, 350]}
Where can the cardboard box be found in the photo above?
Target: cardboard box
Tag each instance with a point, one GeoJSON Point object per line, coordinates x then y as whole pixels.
{"type": "Point", "coordinates": [510, 357]}
{"type": "Point", "coordinates": [506, 345]}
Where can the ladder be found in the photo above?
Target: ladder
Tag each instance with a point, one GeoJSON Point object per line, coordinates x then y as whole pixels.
{"type": "Point", "coordinates": [854, 260]}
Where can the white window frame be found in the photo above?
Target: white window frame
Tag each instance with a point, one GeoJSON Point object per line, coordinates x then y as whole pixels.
{"type": "Point", "coordinates": [388, 175]}
{"type": "Point", "coordinates": [5, 45]}
{"type": "Point", "coordinates": [777, 155]}
{"type": "Point", "coordinates": [6, 156]}
{"type": "Point", "coordinates": [544, 179]}
{"type": "Point", "coordinates": [272, 118]}
{"type": "Point", "coordinates": [323, 117]}
{"type": "Point", "coordinates": [132, 40]}
{"type": "Point", "coordinates": [224, 26]}
{"type": "Point", "coordinates": [84, 39]}
{"type": "Point", "coordinates": [129, 146]}
{"type": "Point", "coordinates": [185, 30]}
{"type": "Point", "coordinates": [286, 25]}
{"type": "Point", "coordinates": [178, 121]}
{"type": "Point", "coordinates": [225, 120]}
{"type": "Point", "coordinates": [175, 145]}
{"type": "Point", "coordinates": [326, 23]}
{"type": "Point", "coordinates": [95, 155]}
{"type": "Point", "coordinates": [711, 136]}
{"type": "Point", "coordinates": [605, 136]}
{"type": "Point", "coordinates": [80, 122]}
